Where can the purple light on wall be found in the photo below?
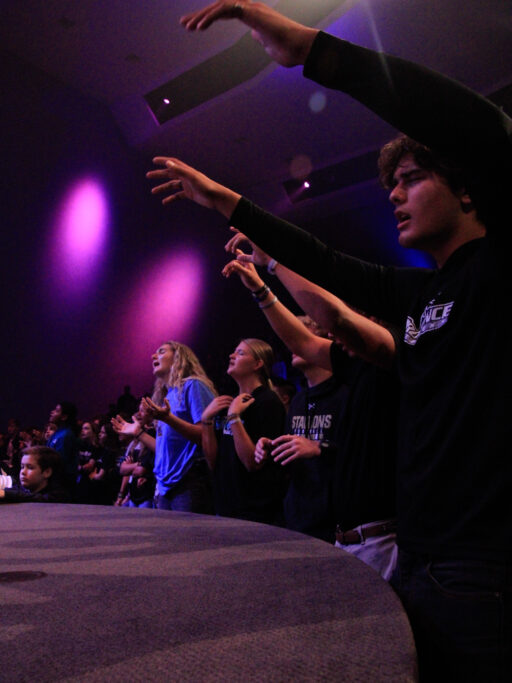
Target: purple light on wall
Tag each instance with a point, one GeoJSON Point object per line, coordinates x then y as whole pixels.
{"type": "Point", "coordinates": [78, 239]}
{"type": "Point", "coordinates": [162, 304]}
{"type": "Point", "coordinates": [84, 220]}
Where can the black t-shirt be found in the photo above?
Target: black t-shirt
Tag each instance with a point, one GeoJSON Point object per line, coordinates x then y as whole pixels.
{"type": "Point", "coordinates": [315, 413]}
{"type": "Point", "coordinates": [258, 495]}
{"type": "Point", "coordinates": [365, 475]}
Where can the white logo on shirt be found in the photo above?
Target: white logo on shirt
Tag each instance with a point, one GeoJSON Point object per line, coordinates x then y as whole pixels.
{"type": "Point", "coordinates": [433, 317]}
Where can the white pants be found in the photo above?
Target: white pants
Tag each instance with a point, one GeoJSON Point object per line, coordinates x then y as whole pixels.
{"type": "Point", "coordinates": [379, 552]}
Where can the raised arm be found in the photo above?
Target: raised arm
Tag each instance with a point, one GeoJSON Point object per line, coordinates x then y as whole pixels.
{"type": "Point", "coordinates": [292, 332]}
{"type": "Point", "coordinates": [367, 339]}
{"type": "Point", "coordinates": [370, 341]}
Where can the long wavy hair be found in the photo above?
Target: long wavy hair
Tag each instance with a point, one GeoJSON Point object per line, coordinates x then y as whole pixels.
{"type": "Point", "coordinates": [185, 366]}
{"type": "Point", "coordinates": [262, 351]}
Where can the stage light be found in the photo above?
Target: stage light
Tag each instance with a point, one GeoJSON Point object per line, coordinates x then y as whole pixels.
{"type": "Point", "coordinates": [162, 304]}
{"type": "Point", "coordinates": [306, 185]}
{"type": "Point", "coordinates": [166, 100]}
{"type": "Point", "coordinates": [77, 238]}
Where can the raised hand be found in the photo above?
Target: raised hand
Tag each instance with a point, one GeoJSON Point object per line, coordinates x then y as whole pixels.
{"type": "Point", "coordinates": [180, 181]}
{"type": "Point", "coordinates": [122, 427]}
{"type": "Point", "coordinates": [285, 41]}
{"type": "Point", "coordinates": [290, 447]}
{"type": "Point", "coordinates": [155, 411]}
{"type": "Point", "coordinates": [246, 272]}
{"type": "Point", "coordinates": [257, 255]}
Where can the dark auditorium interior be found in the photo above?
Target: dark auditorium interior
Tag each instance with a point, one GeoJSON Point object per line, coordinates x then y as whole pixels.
{"type": "Point", "coordinates": [96, 274]}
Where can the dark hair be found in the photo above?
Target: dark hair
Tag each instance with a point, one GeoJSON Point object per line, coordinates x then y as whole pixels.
{"type": "Point", "coordinates": [46, 458]}
{"type": "Point", "coordinates": [426, 158]}
{"type": "Point", "coordinates": [69, 409]}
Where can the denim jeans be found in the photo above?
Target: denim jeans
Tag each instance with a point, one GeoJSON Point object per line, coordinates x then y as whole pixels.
{"type": "Point", "coordinates": [460, 612]}
{"type": "Point", "coordinates": [192, 494]}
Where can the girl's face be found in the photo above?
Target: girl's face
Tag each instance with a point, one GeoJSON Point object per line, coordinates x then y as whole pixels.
{"type": "Point", "coordinates": [86, 432]}
{"type": "Point", "coordinates": [242, 363]}
{"type": "Point", "coordinates": [162, 360]}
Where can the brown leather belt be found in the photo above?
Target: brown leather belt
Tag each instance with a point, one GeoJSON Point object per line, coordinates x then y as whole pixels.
{"type": "Point", "coordinates": [354, 536]}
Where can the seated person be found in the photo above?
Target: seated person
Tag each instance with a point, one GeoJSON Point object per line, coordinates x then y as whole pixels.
{"type": "Point", "coordinates": [40, 478]}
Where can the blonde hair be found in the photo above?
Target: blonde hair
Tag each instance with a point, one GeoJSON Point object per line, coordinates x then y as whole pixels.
{"type": "Point", "coordinates": [185, 365]}
{"type": "Point", "coordinates": [262, 351]}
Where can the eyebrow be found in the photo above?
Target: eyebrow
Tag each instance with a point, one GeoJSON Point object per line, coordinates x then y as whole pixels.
{"type": "Point", "coordinates": [404, 175]}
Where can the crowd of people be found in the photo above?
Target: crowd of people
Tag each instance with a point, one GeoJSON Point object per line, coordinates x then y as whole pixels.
{"type": "Point", "coordinates": [396, 448]}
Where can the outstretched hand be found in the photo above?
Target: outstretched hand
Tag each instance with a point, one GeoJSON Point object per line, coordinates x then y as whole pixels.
{"type": "Point", "coordinates": [285, 41]}
{"type": "Point", "coordinates": [155, 411]}
{"type": "Point", "coordinates": [180, 181]}
{"type": "Point", "coordinates": [246, 271]}
{"type": "Point", "coordinates": [257, 255]}
{"type": "Point", "coordinates": [122, 427]}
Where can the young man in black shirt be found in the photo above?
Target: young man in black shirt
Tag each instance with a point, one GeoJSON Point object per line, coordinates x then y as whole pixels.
{"type": "Point", "coordinates": [451, 198]}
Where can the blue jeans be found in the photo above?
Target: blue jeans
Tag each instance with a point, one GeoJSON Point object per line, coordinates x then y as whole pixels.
{"type": "Point", "coordinates": [192, 494]}
{"type": "Point", "coordinates": [460, 612]}
{"type": "Point", "coordinates": [144, 504]}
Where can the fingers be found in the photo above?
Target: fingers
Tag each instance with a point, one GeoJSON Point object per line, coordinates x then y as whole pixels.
{"type": "Point", "coordinates": [169, 186]}
{"type": "Point", "coordinates": [233, 244]}
{"type": "Point", "coordinates": [233, 267]}
{"type": "Point", "coordinates": [202, 19]}
{"type": "Point", "coordinates": [244, 258]}
{"type": "Point", "coordinates": [285, 438]}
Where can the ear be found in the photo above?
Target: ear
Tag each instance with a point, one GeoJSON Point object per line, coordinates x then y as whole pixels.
{"type": "Point", "coordinates": [466, 203]}
{"type": "Point", "coordinates": [47, 473]}
{"type": "Point", "coordinates": [259, 364]}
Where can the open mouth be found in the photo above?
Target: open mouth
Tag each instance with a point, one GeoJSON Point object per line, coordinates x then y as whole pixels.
{"type": "Point", "coordinates": [402, 219]}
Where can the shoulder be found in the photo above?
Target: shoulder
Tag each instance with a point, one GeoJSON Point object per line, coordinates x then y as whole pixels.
{"type": "Point", "coordinates": [267, 399]}
{"type": "Point", "coordinates": [196, 387]}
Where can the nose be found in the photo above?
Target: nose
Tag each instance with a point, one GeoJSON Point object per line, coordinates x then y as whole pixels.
{"type": "Point", "coordinates": [397, 195]}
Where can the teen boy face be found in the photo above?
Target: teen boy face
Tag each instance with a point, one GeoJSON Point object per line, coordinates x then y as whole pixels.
{"type": "Point", "coordinates": [32, 477]}
{"type": "Point", "coordinates": [429, 214]}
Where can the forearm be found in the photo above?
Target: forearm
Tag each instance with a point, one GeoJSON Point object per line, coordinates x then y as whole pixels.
{"type": "Point", "coordinates": [367, 339]}
{"type": "Point", "coordinates": [209, 443]}
{"type": "Point", "coordinates": [244, 445]}
{"type": "Point", "coordinates": [126, 468]}
{"type": "Point", "coordinates": [381, 291]}
{"type": "Point", "coordinates": [192, 432]}
{"type": "Point", "coordinates": [294, 334]}
{"type": "Point", "coordinates": [148, 440]}
{"type": "Point", "coordinates": [429, 107]}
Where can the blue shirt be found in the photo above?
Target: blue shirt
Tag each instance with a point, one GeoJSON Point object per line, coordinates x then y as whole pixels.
{"type": "Point", "coordinates": [65, 443]}
{"type": "Point", "coordinates": [174, 454]}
